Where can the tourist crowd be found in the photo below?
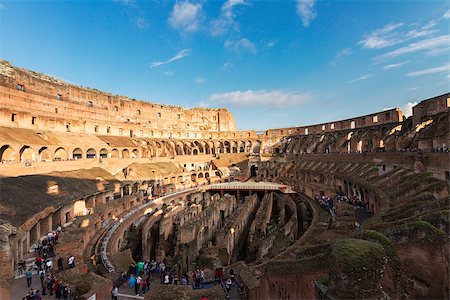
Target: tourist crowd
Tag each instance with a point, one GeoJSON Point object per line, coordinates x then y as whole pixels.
{"type": "Point", "coordinates": [50, 283]}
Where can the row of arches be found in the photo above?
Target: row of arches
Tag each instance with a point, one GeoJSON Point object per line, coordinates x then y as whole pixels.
{"type": "Point", "coordinates": [151, 148]}
{"type": "Point", "coordinates": [381, 139]}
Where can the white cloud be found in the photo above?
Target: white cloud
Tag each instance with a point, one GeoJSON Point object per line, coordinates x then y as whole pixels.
{"type": "Point", "coordinates": [446, 16]}
{"type": "Point", "coordinates": [2, 6]}
{"type": "Point", "coordinates": [364, 77]}
{"type": "Point", "coordinates": [341, 54]}
{"type": "Point", "coordinates": [180, 55]}
{"type": "Point", "coordinates": [226, 20]}
{"type": "Point", "coordinates": [241, 45]}
{"type": "Point", "coordinates": [185, 16]}
{"type": "Point", "coordinates": [427, 44]}
{"type": "Point", "coordinates": [306, 11]}
{"type": "Point", "coordinates": [441, 69]}
{"type": "Point", "coordinates": [382, 37]}
{"type": "Point", "coordinates": [407, 108]}
{"type": "Point", "coordinates": [260, 97]}
{"type": "Point", "coordinates": [199, 80]}
{"type": "Point", "coordinates": [393, 66]}
{"type": "Point", "coordinates": [141, 23]}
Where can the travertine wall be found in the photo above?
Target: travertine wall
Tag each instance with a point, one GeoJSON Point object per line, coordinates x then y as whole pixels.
{"type": "Point", "coordinates": [37, 101]}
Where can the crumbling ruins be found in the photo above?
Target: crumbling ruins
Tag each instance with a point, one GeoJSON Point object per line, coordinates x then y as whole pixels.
{"type": "Point", "coordinates": [130, 180]}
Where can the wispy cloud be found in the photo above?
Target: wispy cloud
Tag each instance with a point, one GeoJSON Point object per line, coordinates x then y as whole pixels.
{"type": "Point", "coordinates": [260, 97]}
{"type": "Point", "coordinates": [382, 37]}
{"type": "Point", "coordinates": [395, 33]}
{"type": "Point", "coordinates": [446, 16]}
{"type": "Point", "coordinates": [423, 45]}
{"type": "Point", "coordinates": [141, 23]}
{"type": "Point", "coordinates": [226, 20]}
{"type": "Point", "coordinates": [186, 16]}
{"type": "Point", "coordinates": [364, 77]}
{"type": "Point", "coordinates": [241, 45]}
{"type": "Point", "coordinates": [199, 80]}
{"type": "Point", "coordinates": [394, 66]}
{"type": "Point", "coordinates": [340, 55]}
{"type": "Point", "coordinates": [2, 6]}
{"type": "Point", "coordinates": [180, 55]}
{"type": "Point", "coordinates": [415, 88]}
{"type": "Point", "coordinates": [441, 69]}
{"type": "Point", "coordinates": [306, 11]}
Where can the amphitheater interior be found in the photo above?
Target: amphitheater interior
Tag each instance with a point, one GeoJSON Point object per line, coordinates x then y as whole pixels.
{"type": "Point", "coordinates": [127, 180]}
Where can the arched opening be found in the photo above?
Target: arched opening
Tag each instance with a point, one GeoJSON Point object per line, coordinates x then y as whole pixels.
{"type": "Point", "coordinates": [207, 175]}
{"type": "Point", "coordinates": [44, 154]}
{"type": "Point", "coordinates": [126, 189]}
{"type": "Point", "coordinates": [115, 153]}
{"type": "Point", "coordinates": [195, 152]}
{"type": "Point", "coordinates": [257, 147]}
{"type": "Point", "coordinates": [77, 153]}
{"type": "Point", "coordinates": [103, 153]}
{"type": "Point", "coordinates": [91, 153]}
{"type": "Point", "coordinates": [135, 188]}
{"type": "Point", "coordinates": [61, 154]}
{"type": "Point", "coordinates": [26, 154]}
{"type": "Point", "coordinates": [7, 153]}
{"type": "Point", "coordinates": [241, 147]}
{"type": "Point", "coordinates": [179, 149]}
{"type": "Point", "coordinates": [135, 153]}
{"type": "Point", "coordinates": [234, 147]}
{"type": "Point", "coordinates": [200, 175]}
{"type": "Point", "coordinates": [193, 177]}
{"type": "Point", "coordinates": [125, 153]}
{"type": "Point", "coordinates": [227, 147]}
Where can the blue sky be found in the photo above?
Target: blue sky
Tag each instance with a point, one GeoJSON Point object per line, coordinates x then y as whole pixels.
{"type": "Point", "coordinates": [271, 63]}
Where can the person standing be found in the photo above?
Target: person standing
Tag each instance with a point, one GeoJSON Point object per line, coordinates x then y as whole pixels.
{"type": "Point", "coordinates": [28, 276]}
{"type": "Point", "coordinates": [114, 293]}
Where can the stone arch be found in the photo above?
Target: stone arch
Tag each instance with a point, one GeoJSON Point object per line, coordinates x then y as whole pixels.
{"type": "Point", "coordinates": [126, 189]}
{"type": "Point", "coordinates": [234, 147]}
{"type": "Point", "coordinates": [115, 153]}
{"type": "Point", "coordinates": [7, 153]}
{"type": "Point", "coordinates": [248, 146]}
{"type": "Point", "coordinates": [61, 153]}
{"type": "Point", "coordinates": [206, 147]}
{"type": "Point", "coordinates": [26, 153]}
{"type": "Point", "coordinates": [91, 153]}
{"type": "Point", "coordinates": [195, 151]}
{"type": "Point", "coordinates": [198, 146]}
{"type": "Point", "coordinates": [77, 153]}
{"type": "Point", "coordinates": [135, 188]}
{"type": "Point", "coordinates": [125, 153]}
{"type": "Point", "coordinates": [227, 147]}
{"type": "Point", "coordinates": [200, 175]}
{"type": "Point", "coordinates": [257, 147]}
{"type": "Point", "coordinates": [179, 148]}
{"type": "Point", "coordinates": [241, 147]}
{"type": "Point", "coordinates": [103, 153]}
{"type": "Point", "coordinates": [193, 177]}
{"type": "Point", "coordinates": [134, 153]}
{"type": "Point", "coordinates": [187, 148]}
{"type": "Point", "coordinates": [44, 154]}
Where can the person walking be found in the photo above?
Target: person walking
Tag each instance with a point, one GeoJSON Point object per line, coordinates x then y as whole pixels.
{"type": "Point", "coordinates": [28, 276]}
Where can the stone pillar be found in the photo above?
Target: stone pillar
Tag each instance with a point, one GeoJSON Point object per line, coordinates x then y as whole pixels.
{"type": "Point", "coordinates": [50, 223]}
{"type": "Point", "coordinates": [28, 242]}
{"type": "Point", "coordinates": [38, 230]}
